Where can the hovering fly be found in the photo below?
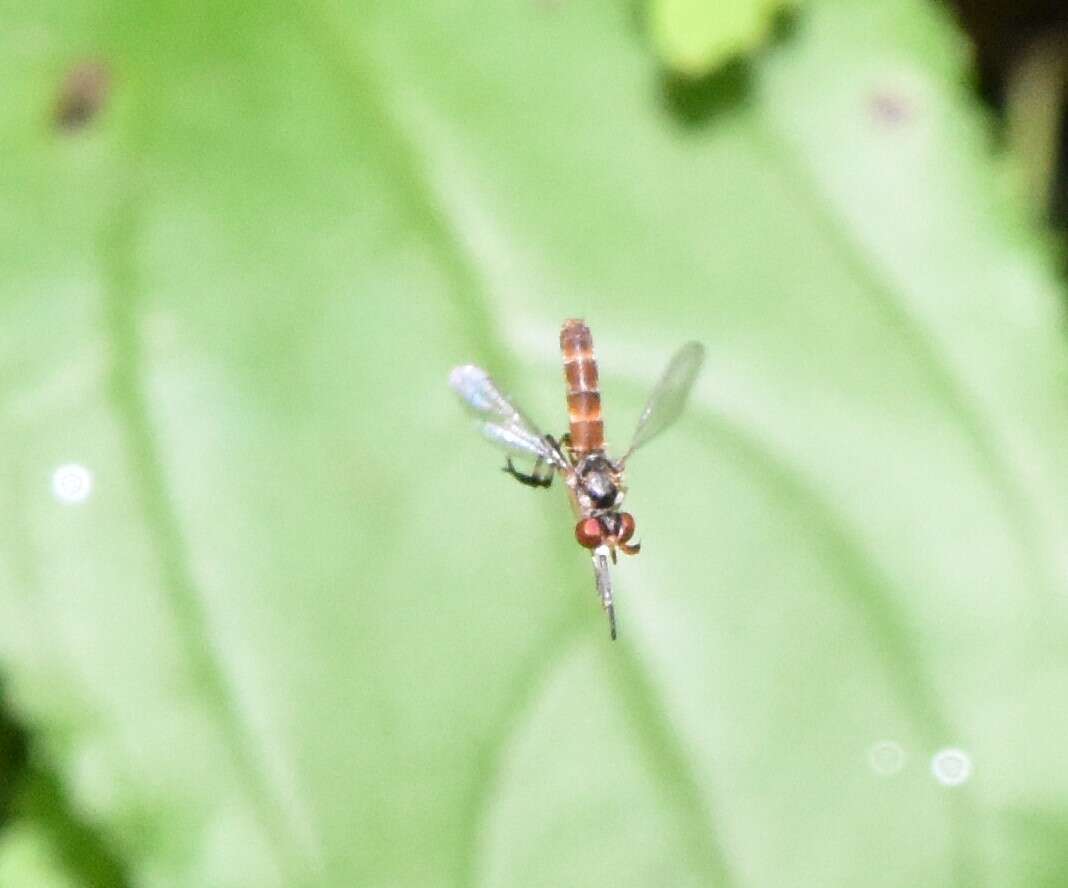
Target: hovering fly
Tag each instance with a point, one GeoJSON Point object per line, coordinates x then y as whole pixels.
{"type": "Point", "coordinates": [595, 482]}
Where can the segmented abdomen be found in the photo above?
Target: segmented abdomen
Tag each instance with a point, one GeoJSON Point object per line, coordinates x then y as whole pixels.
{"type": "Point", "coordinates": [583, 395]}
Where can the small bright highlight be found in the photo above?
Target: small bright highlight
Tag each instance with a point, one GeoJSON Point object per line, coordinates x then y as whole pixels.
{"type": "Point", "coordinates": [951, 767]}
{"type": "Point", "coordinates": [886, 758]}
{"type": "Point", "coordinates": [72, 483]}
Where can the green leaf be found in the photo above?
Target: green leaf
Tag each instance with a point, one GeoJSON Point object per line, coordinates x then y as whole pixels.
{"type": "Point", "coordinates": [696, 37]}
{"type": "Point", "coordinates": [28, 860]}
{"type": "Point", "coordinates": [302, 631]}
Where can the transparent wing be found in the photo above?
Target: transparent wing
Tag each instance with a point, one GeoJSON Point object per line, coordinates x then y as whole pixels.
{"type": "Point", "coordinates": [669, 396]}
{"type": "Point", "coordinates": [499, 420]}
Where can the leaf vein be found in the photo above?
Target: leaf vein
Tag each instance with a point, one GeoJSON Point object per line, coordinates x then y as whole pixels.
{"type": "Point", "coordinates": [191, 620]}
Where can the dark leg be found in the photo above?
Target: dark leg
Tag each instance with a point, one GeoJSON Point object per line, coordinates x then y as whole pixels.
{"type": "Point", "coordinates": [537, 478]}
{"type": "Point", "coordinates": [564, 445]}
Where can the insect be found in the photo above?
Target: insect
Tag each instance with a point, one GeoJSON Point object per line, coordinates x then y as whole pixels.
{"type": "Point", "coordinates": [595, 483]}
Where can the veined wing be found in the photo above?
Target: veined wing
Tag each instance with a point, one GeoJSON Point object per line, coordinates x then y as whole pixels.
{"type": "Point", "coordinates": [499, 419]}
{"type": "Point", "coordinates": [669, 396]}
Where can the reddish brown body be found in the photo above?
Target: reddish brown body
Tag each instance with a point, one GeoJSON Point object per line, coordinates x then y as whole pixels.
{"type": "Point", "coordinates": [583, 393]}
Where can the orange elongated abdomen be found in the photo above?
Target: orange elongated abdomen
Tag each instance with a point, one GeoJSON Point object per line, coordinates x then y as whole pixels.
{"type": "Point", "coordinates": [583, 393]}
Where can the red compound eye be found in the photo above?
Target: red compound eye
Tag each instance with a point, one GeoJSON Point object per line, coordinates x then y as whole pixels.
{"type": "Point", "coordinates": [626, 527]}
{"type": "Point", "coordinates": [589, 533]}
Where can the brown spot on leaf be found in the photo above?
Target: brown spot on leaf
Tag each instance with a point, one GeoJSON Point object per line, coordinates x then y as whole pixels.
{"type": "Point", "coordinates": [890, 109]}
{"type": "Point", "coordinates": [82, 95]}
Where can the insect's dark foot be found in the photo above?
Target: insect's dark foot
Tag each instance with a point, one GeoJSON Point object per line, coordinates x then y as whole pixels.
{"type": "Point", "coordinates": [531, 480]}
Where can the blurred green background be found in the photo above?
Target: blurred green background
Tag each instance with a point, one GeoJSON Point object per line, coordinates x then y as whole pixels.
{"type": "Point", "coordinates": [270, 614]}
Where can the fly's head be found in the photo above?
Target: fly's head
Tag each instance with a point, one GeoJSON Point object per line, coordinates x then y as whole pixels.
{"type": "Point", "coordinates": [599, 484]}
{"type": "Point", "coordinates": [612, 530]}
